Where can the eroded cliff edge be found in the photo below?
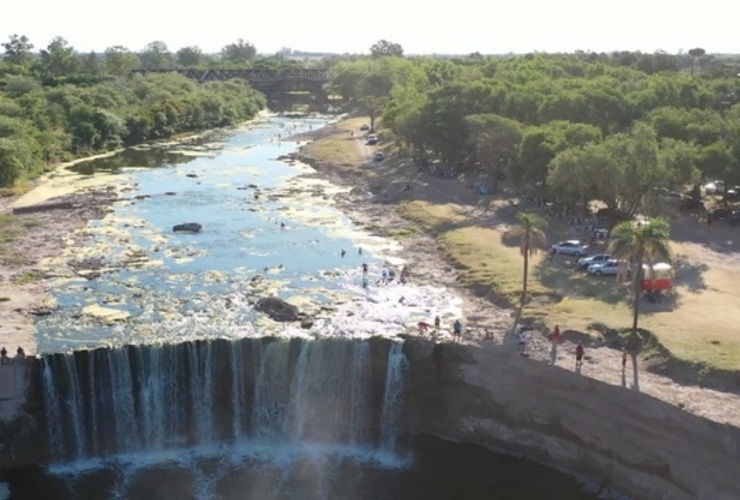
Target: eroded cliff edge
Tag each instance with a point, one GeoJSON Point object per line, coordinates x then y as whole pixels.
{"type": "Point", "coordinates": [632, 442]}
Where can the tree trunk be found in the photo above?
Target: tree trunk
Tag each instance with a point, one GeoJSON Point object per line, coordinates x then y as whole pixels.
{"type": "Point", "coordinates": [635, 316]}
{"type": "Point", "coordinates": [526, 269]}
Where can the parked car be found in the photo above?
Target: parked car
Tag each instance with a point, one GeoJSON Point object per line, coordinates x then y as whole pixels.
{"type": "Point", "coordinates": [609, 268]}
{"type": "Point", "coordinates": [379, 156]}
{"type": "Point", "coordinates": [689, 203]}
{"type": "Point", "coordinates": [365, 126]}
{"type": "Point", "coordinates": [732, 194]}
{"type": "Point", "coordinates": [584, 262]}
{"type": "Point", "coordinates": [372, 139]}
{"type": "Point", "coordinates": [733, 218]}
{"type": "Point", "coordinates": [570, 247]}
{"type": "Point", "coordinates": [719, 213]}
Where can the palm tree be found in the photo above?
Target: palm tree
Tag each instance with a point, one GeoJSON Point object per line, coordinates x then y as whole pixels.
{"type": "Point", "coordinates": [640, 244]}
{"type": "Point", "coordinates": [531, 233]}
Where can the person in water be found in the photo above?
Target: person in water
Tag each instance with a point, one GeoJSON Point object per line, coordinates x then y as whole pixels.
{"type": "Point", "coordinates": [364, 268]}
{"type": "Point", "coordinates": [343, 252]}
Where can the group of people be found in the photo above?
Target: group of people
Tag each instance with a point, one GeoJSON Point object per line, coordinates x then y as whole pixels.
{"type": "Point", "coordinates": [4, 359]}
{"type": "Point", "coordinates": [555, 340]}
{"type": "Point", "coordinates": [457, 328]}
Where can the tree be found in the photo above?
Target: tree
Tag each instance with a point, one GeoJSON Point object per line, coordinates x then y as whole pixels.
{"type": "Point", "coordinates": [239, 52]}
{"type": "Point", "coordinates": [637, 152]}
{"type": "Point", "coordinates": [384, 48]}
{"type": "Point", "coordinates": [586, 173]}
{"type": "Point", "coordinates": [540, 145]}
{"type": "Point", "coordinates": [190, 56]}
{"type": "Point", "coordinates": [18, 50]}
{"type": "Point", "coordinates": [120, 61]}
{"type": "Point", "coordinates": [156, 55]}
{"type": "Point", "coordinates": [59, 58]}
{"type": "Point", "coordinates": [91, 64]}
{"type": "Point", "coordinates": [696, 54]}
{"type": "Point", "coordinates": [495, 142]}
{"type": "Point", "coordinates": [640, 244]}
{"type": "Point", "coordinates": [530, 230]}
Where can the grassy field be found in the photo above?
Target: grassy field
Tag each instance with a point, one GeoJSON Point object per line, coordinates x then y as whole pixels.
{"type": "Point", "coordinates": [562, 295]}
{"type": "Point", "coordinates": [575, 300]}
{"type": "Point", "coordinates": [338, 148]}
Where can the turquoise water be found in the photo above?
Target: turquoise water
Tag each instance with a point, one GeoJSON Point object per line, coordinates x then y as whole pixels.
{"type": "Point", "coordinates": [269, 228]}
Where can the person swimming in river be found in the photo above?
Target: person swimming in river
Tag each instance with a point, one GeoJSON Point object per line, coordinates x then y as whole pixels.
{"type": "Point", "coordinates": [343, 253]}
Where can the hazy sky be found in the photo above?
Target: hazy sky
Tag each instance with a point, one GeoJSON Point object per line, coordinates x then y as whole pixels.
{"type": "Point", "coordinates": [421, 27]}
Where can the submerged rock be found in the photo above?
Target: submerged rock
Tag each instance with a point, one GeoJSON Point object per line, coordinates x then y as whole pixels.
{"type": "Point", "coordinates": [192, 227]}
{"type": "Point", "coordinates": [277, 309]}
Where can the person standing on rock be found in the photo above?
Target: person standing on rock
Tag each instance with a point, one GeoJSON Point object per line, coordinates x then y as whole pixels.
{"type": "Point", "coordinates": [3, 356]}
{"type": "Point", "coordinates": [579, 354]}
{"type": "Point", "coordinates": [522, 342]}
{"type": "Point", "coordinates": [555, 335]}
{"type": "Point", "coordinates": [457, 330]}
{"type": "Point", "coordinates": [364, 268]}
{"type": "Point", "coordinates": [624, 361]}
{"type": "Point", "coordinates": [437, 323]}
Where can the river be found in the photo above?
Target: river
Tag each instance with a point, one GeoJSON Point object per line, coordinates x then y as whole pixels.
{"type": "Point", "coordinates": [270, 228]}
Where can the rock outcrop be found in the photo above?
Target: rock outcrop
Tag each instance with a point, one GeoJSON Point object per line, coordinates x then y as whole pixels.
{"type": "Point", "coordinates": [277, 309]}
{"type": "Point", "coordinates": [633, 442]}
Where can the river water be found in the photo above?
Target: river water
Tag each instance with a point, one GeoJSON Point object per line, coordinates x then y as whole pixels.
{"type": "Point", "coordinates": [269, 228]}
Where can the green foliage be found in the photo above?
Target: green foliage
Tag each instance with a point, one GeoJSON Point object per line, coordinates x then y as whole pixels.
{"type": "Point", "coordinates": [190, 57]}
{"type": "Point", "coordinates": [156, 55]}
{"type": "Point", "coordinates": [41, 124]}
{"type": "Point", "coordinates": [18, 50]}
{"type": "Point", "coordinates": [239, 52]}
{"type": "Point", "coordinates": [640, 243]}
{"type": "Point", "coordinates": [530, 233]}
{"type": "Point", "coordinates": [119, 61]}
{"type": "Point", "coordinates": [384, 48]}
{"type": "Point", "coordinates": [59, 59]}
{"type": "Point", "coordinates": [28, 277]}
{"type": "Point", "coordinates": [615, 125]}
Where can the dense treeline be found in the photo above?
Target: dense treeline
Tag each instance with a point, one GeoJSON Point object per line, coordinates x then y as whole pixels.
{"type": "Point", "coordinates": [51, 109]}
{"type": "Point", "coordinates": [615, 127]}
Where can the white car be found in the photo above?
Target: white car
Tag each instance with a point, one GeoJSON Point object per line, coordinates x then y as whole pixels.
{"type": "Point", "coordinates": [609, 268]}
{"type": "Point", "coordinates": [599, 258]}
{"type": "Point", "coordinates": [570, 247]}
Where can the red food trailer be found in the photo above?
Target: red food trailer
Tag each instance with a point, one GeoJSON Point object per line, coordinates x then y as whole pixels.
{"type": "Point", "coordinates": [657, 277]}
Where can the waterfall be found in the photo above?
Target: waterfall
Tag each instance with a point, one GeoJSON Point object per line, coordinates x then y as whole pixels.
{"type": "Point", "coordinates": [139, 398]}
{"type": "Point", "coordinates": [393, 396]}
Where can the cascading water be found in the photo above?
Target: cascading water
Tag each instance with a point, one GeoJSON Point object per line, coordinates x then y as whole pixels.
{"type": "Point", "coordinates": [147, 398]}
